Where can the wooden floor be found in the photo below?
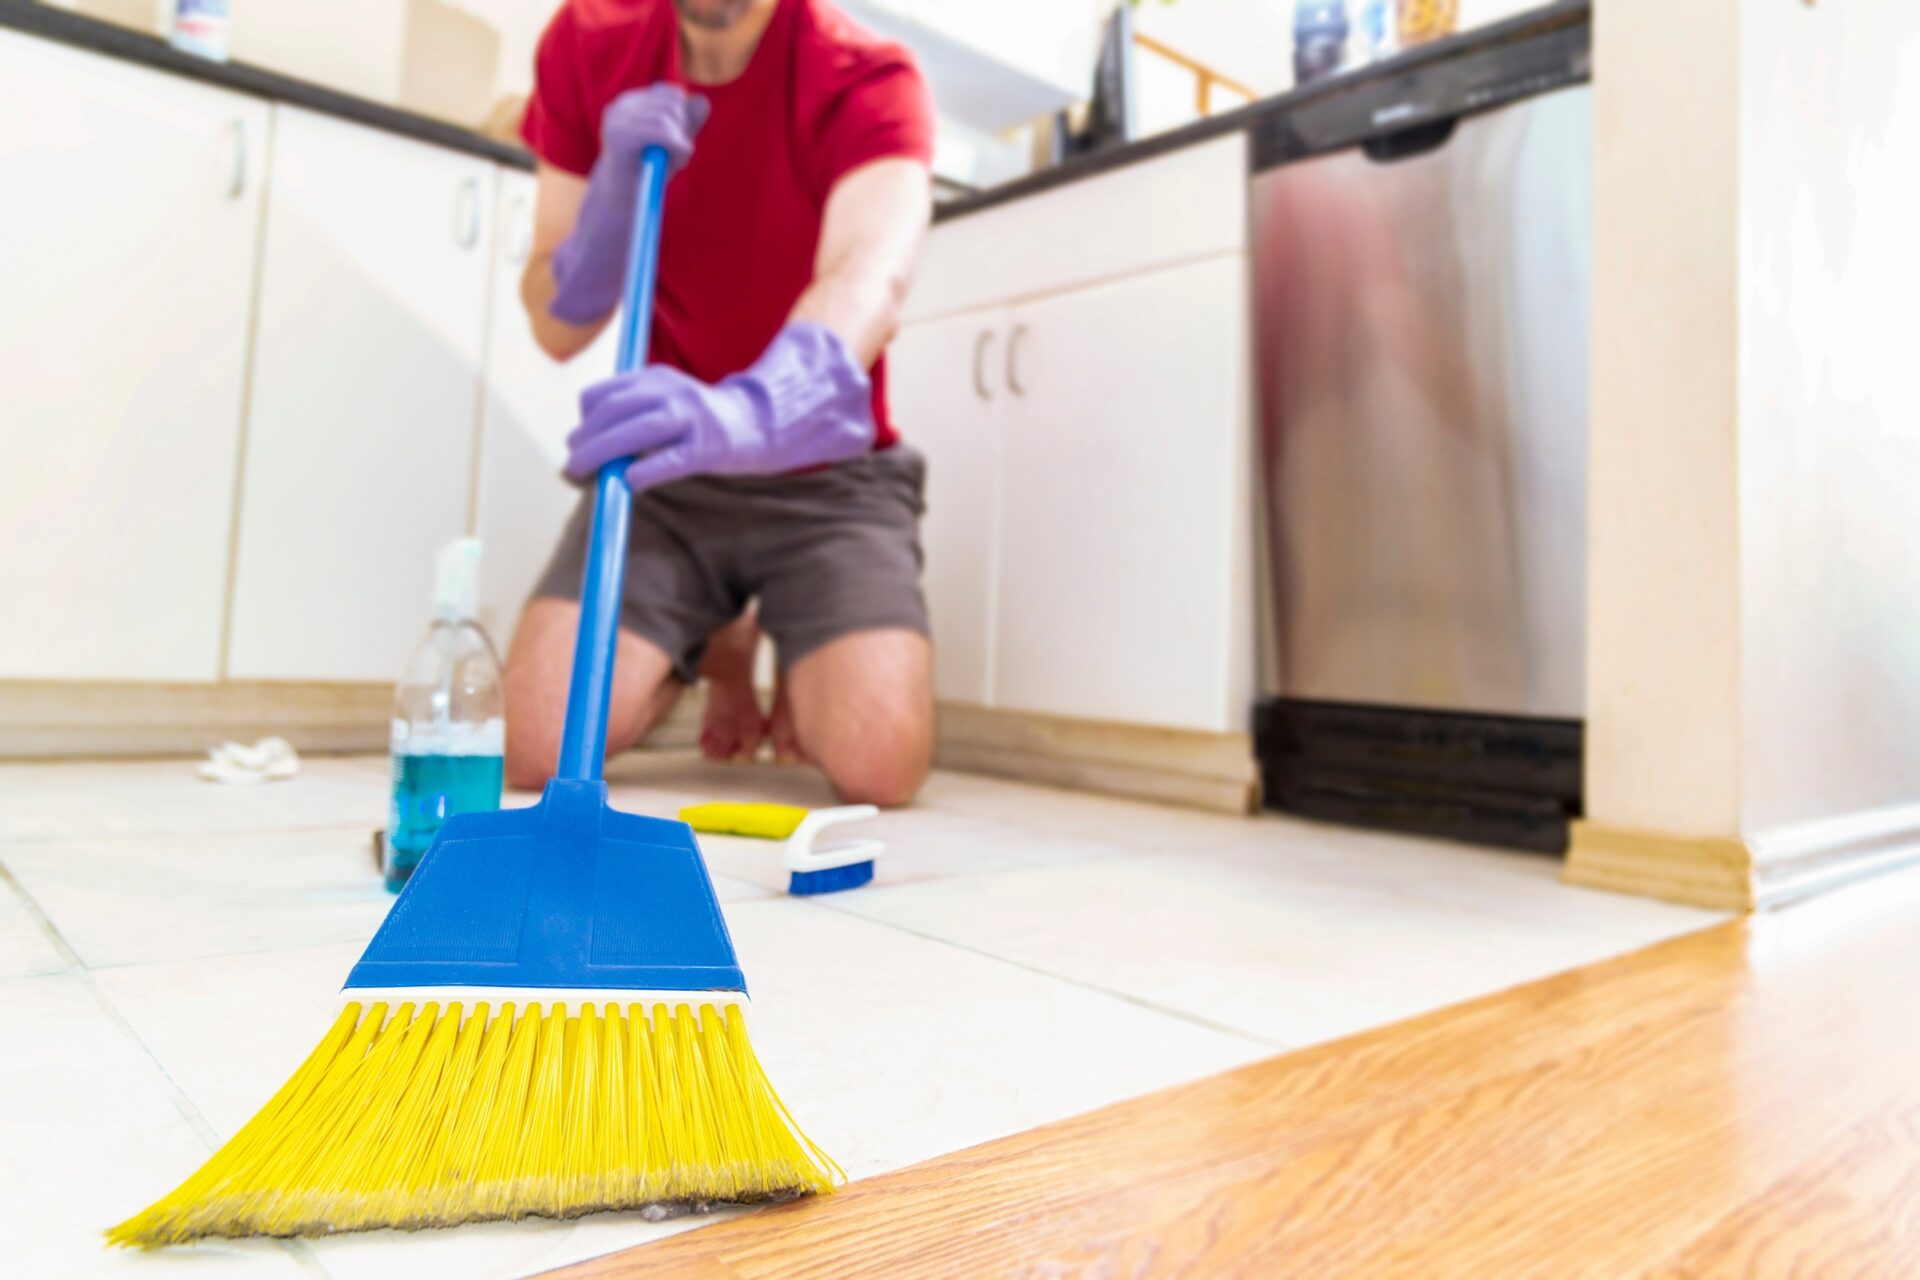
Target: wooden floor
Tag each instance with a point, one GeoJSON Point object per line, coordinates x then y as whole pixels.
{"type": "Point", "coordinates": [1740, 1102]}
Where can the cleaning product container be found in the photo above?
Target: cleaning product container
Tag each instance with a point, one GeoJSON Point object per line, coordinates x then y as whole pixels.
{"type": "Point", "coordinates": [449, 725]}
{"type": "Point", "coordinates": [200, 27]}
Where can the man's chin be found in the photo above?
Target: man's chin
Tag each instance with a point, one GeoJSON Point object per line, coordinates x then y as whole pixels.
{"type": "Point", "coordinates": [711, 15]}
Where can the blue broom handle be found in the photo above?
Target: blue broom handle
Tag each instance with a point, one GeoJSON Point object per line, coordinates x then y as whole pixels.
{"type": "Point", "coordinates": [583, 742]}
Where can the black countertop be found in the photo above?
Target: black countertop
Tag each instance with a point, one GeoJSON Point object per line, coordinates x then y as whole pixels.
{"type": "Point", "coordinates": [134, 46]}
{"type": "Point", "coordinates": [116, 41]}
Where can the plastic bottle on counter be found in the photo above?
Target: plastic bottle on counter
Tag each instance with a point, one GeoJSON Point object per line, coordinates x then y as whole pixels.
{"type": "Point", "coordinates": [1378, 19]}
{"type": "Point", "coordinates": [200, 27]}
{"type": "Point", "coordinates": [449, 723]}
{"type": "Point", "coordinates": [1320, 30]}
{"type": "Point", "coordinates": [1424, 20]}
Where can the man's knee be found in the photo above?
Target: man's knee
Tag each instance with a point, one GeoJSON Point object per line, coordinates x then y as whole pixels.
{"type": "Point", "coordinates": [863, 706]}
{"type": "Point", "coordinates": [533, 731]}
{"type": "Point", "coordinates": [533, 751]}
{"type": "Point", "coordinates": [539, 672]}
{"type": "Point", "coordinates": [535, 690]}
{"type": "Point", "coordinates": [884, 766]}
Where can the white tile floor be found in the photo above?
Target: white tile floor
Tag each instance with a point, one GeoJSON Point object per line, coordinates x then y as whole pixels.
{"type": "Point", "coordinates": [169, 951]}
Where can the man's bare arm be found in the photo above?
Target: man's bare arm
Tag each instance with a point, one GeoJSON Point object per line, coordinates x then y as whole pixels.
{"type": "Point", "coordinates": [556, 205]}
{"type": "Point", "coordinates": [875, 218]}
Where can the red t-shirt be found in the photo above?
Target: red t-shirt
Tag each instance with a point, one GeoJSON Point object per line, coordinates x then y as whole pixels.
{"type": "Point", "coordinates": [820, 97]}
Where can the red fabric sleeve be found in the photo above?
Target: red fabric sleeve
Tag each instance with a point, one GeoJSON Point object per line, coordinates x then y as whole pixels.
{"type": "Point", "coordinates": [883, 110]}
{"type": "Point", "coordinates": [558, 125]}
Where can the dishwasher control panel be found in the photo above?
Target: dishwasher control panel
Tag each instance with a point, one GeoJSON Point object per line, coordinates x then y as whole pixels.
{"type": "Point", "coordinates": [1410, 103]}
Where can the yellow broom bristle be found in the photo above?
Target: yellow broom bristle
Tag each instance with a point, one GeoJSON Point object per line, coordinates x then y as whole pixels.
{"type": "Point", "coordinates": [431, 1117]}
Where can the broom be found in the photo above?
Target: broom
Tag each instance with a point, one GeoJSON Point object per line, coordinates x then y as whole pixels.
{"type": "Point", "coordinates": [551, 1020]}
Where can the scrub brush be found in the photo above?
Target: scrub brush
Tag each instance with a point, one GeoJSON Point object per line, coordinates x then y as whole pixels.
{"type": "Point", "coordinates": [814, 869]}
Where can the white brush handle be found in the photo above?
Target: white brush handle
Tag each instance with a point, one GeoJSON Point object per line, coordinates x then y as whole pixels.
{"type": "Point", "coordinates": [800, 854]}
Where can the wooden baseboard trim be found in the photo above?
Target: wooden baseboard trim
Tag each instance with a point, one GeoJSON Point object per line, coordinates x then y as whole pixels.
{"type": "Point", "coordinates": [64, 720]}
{"type": "Point", "coordinates": [50, 720]}
{"type": "Point", "coordinates": [1725, 873]}
{"type": "Point", "coordinates": [61, 719]}
{"type": "Point", "coordinates": [1697, 871]}
{"type": "Point", "coordinates": [1214, 771]}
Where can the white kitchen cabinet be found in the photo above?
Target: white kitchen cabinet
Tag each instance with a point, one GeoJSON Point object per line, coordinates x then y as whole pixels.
{"type": "Point", "coordinates": [1180, 207]}
{"type": "Point", "coordinates": [948, 398]}
{"type": "Point", "coordinates": [366, 383]}
{"type": "Point", "coordinates": [1089, 533]}
{"type": "Point", "coordinates": [531, 402]}
{"type": "Point", "coordinates": [128, 238]}
{"type": "Point", "coordinates": [1124, 581]}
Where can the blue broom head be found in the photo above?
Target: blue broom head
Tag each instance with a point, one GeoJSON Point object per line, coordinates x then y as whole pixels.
{"type": "Point", "coordinates": [566, 894]}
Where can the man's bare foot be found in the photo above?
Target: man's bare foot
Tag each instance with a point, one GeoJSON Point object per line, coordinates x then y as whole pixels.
{"type": "Point", "coordinates": [786, 742]}
{"type": "Point", "coordinates": [733, 727]}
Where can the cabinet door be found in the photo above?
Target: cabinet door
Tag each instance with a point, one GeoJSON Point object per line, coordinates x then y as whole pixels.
{"type": "Point", "coordinates": [1125, 573]}
{"type": "Point", "coordinates": [946, 392]}
{"type": "Point", "coordinates": [128, 240]}
{"type": "Point", "coordinates": [531, 402]}
{"type": "Point", "coordinates": [366, 382]}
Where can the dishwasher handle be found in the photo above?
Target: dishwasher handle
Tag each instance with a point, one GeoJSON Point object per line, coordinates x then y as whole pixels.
{"type": "Point", "coordinates": [1414, 140]}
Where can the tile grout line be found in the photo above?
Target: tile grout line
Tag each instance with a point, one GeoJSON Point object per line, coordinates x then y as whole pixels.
{"type": "Point", "coordinates": [181, 1102]}
{"type": "Point", "coordinates": [916, 882]}
{"type": "Point", "coordinates": [107, 837]}
{"type": "Point", "coordinates": [250, 953]}
{"type": "Point", "coordinates": [298, 1250]}
{"type": "Point", "coordinates": [1138, 1002]}
{"type": "Point", "coordinates": [42, 920]}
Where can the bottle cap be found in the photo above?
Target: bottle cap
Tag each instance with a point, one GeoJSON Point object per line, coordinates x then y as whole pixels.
{"type": "Point", "coordinates": [456, 589]}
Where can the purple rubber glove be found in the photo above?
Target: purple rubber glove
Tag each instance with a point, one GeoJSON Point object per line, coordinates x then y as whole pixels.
{"type": "Point", "coordinates": [589, 264]}
{"type": "Point", "coordinates": [805, 402]}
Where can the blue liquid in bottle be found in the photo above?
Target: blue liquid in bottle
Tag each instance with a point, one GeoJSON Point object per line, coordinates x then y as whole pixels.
{"type": "Point", "coordinates": [449, 734]}
{"type": "Point", "coordinates": [427, 790]}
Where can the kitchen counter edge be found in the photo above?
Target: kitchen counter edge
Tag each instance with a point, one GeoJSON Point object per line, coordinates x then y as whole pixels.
{"type": "Point", "coordinates": [103, 37]}
{"type": "Point", "coordinates": [99, 36]}
{"type": "Point", "coordinates": [1548, 17]}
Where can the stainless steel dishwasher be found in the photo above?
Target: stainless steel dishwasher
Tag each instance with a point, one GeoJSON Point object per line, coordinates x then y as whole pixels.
{"type": "Point", "coordinates": [1421, 255]}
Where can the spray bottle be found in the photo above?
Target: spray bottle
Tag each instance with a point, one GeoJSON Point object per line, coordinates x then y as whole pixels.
{"type": "Point", "coordinates": [449, 726]}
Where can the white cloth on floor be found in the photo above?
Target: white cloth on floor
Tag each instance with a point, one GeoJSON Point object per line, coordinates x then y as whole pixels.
{"type": "Point", "coordinates": [268, 760]}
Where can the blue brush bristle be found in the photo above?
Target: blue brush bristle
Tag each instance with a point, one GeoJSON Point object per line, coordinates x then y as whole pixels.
{"type": "Point", "coordinates": [832, 880]}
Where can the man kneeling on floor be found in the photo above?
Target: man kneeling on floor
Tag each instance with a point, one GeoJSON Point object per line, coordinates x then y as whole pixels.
{"type": "Point", "coordinates": [766, 468]}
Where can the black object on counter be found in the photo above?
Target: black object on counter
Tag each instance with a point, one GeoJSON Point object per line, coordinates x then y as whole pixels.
{"type": "Point", "coordinates": [1110, 112]}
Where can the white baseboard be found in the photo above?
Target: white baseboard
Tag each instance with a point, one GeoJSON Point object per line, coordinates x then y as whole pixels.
{"type": "Point", "coordinates": [1796, 862]}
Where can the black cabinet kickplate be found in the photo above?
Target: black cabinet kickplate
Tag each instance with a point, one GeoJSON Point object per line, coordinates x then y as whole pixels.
{"type": "Point", "coordinates": [1511, 781]}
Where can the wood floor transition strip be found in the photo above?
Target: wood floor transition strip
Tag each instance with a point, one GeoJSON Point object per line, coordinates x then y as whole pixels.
{"type": "Point", "coordinates": [1743, 1101]}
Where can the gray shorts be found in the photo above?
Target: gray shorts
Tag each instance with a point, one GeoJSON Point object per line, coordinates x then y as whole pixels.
{"type": "Point", "coordinates": [826, 553]}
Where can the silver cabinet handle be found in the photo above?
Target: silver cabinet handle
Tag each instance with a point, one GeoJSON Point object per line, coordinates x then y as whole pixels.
{"type": "Point", "coordinates": [237, 178]}
{"type": "Point", "coordinates": [520, 240]}
{"type": "Point", "coordinates": [466, 214]}
{"type": "Point", "coordinates": [1013, 360]}
{"type": "Point", "coordinates": [980, 345]}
